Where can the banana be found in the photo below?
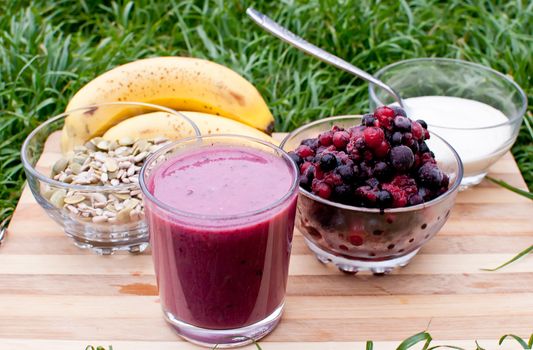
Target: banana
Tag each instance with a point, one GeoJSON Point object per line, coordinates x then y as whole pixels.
{"type": "Point", "coordinates": [151, 125]}
{"type": "Point", "coordinates": [181, 83]}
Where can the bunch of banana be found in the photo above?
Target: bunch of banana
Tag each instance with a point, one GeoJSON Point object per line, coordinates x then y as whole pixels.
{"type": "Point", "coordinates": [180, 83]}
{"type": "Point", "coordinates": [171, 126]}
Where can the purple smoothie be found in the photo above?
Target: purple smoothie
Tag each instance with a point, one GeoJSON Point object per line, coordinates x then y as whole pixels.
{"type": "Point", "coordinates": [218, 267]}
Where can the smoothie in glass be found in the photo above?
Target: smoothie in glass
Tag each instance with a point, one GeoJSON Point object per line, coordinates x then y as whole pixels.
{"type": "Point", "coordinates": [221, 216]}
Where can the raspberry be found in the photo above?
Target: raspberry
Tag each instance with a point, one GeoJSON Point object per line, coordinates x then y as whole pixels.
{"type": "Point", "coordinates": [340, 139]}
{"type": "Point", "coordinates": [406, 183]}
{"type": "Point", "coordinates": [305, 166]}
{"type": "Point", "coordinates": [321, 188]}
{"type": "Point", "coordinates": [366, 195]}
{"type": "Point", "coordinates": [427, 158]}
{"type": "Point", "coordinates": [382, 150]}
{"type": "Point", "coordinates": [402, 158]}
{"type": "Point", "coordinates": [417, 130]}
{"type": "Point", "coordinates": [333, 179]}
{"type": "Point", "coordinates": [384, 115]}
{"type": "Point", "coordinates": [373, 137]}
{"type": "Point", "coordinates": [326, 138]}
{"type": "Point", "coordinates": [399, 197]}
{"type": "Point", "coordinates": [304, 151]}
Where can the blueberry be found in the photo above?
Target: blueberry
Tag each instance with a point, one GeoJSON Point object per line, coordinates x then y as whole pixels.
{"type": "Point", "coordinates": [423, 147]}
{"type": "Point", "coordinates": [372, 182]}
{"type": "Point", "coordinates": [402, 123]}
{"type": "Point", "coordinates": [296, 158]}
{"type": "Point", "coordinates": [306, 179]}
{"type": "Point", "coordinates": [311, 143]}
{"type": "Point", "coordinates": [346, 173]}
{"type": "Point", "coordinates": [365, 170]}
{"type": "Point", "coordinates": [413, 145]}
{"type": "Point", "coordinates": [397, 138]}
{"type": "Point", "coordinates": [343, 192]}
{"type": "Point", "coordinates": [384, 199]}
{"type": "Point", "coordinates": [382, 170]}
{"type": "Point", "coordinates": [416, 199]}
{"type": "Point", "coordinates": [327, 162]}
{"type": "Point", "coordinates": [402, 158]}
{"type": "Point", "coordinates": [423, 123]}
{"type": "Point", "coordinates": [430, 175]}
{"type": "Point", "coordinates": [368, 120]}
{"type": "Point", "coordinates": [399, 111]}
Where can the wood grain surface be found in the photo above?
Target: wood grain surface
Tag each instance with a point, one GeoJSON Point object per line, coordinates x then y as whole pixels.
{"type": "Point", "coordinates": [56, 296]}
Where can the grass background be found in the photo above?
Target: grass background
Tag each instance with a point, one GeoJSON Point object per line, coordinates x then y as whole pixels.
{"type": "Point", "coordinates": [49, 49]}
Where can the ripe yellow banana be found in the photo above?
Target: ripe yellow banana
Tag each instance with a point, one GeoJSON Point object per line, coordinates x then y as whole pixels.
{"type": "Point", "coordinates": [181, 83]}
{"type": "Point", "coordinates": [150, 125]}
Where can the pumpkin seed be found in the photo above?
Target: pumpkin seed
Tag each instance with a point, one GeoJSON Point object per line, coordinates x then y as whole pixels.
{"type": "Point", "coordinates": [75, 199]}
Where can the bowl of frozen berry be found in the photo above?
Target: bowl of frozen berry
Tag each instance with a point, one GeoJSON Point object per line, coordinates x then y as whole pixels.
{"type": "Point", "coordinates": [373, 188]}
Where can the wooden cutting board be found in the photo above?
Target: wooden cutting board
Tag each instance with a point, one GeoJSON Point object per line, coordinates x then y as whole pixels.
{"type": "Point", "coordinates": [56, 296]}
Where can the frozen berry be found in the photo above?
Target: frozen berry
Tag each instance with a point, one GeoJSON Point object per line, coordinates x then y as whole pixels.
{"type": "Point", "coordinates": [427, 158]}
{"type": "Point", "coordinates": [296, 158]}
{"type": "Point", "coordinates": [304, 151]}
{"type": "Point", "coordinates": [384, 199]}
{"type": "Point", "coordinates": [368, 120]}
{"type": "Point", "coordinates": [340, 139]}
{"type": "Point", "coordinates": [373, 137]}
{"type": "Point", "coordinates": [366, 195]}
{"type": "Point", "coordinates": [327, 162]}
{"type": "Point", "coordinates": [416, 199]}
{"type": "Point", "coordinates": [312, 143]}
{"type": "Point", "coordinates": [346, 172]}
{"type": "Point", "coordinates": [430, 175]}
{"type": "Point", "coordinates": [399, 111]}
{"type": "Point", "coordinates": [396, 138]}
{"type": "Point", "coordinates": [321, 188]}
{"type": "Point", "coordinates": [326, 138]}
{"type": "Point", "coordinates": [307, 176]}
{"type": "Point", "coordinates": [382, 150]}
{"type": "Point", "coordinates": [382, 171]}
{"type": "Point", "coordinates": [399, 197]}
{"type": "Point", "coordinates": [417, 131]}
{"type": "Point", "coordinates": [402, 123]}
{"type": "Point", "coordinates": [422, 123]}
{"type": "Point", "coordinates": [402, 158]}
{"type": "Point", "coordinates": [372, 182]}
{"type": "Point", "coordinates": [423, 147]}
{"type": "Point", "coordinates": [384, 115]}
{"type": "Point", "coordinates": [343, 192]}
{"type": "Point", "coordinates": [332, 179]}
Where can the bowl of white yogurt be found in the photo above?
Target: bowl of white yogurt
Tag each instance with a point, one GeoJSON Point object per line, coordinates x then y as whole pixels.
{"type": "Point", "coordinates": [475, 108]}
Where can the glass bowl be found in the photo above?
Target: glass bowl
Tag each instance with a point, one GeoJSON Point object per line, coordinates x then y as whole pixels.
{"type": "Point", "coordinates": [481, 139]}
{"type": "Point", "coordinates": [357, 238]}
{"type": "Point", "coordinates": [39, 153]}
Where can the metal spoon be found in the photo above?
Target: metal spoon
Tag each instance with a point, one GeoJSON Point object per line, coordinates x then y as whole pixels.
{"type": "Point", "coordinates": [289, 37]}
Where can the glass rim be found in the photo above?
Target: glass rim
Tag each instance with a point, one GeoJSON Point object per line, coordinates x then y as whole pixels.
{"type": "Point", "coordinates": [439, 199]}
{"type": "Point", "coordinates": [519, 115]}
{"type": "Point", "coordinates": [148, 195]}
{"type": "Point", "coordinates": [94, 188]}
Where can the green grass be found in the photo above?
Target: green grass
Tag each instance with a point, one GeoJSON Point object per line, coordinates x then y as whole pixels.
{"type": "Point", "coordinates": [49, 49]}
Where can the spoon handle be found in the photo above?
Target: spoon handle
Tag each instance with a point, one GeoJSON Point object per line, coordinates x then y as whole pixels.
{"type": "Point", "coordinates": [289, 37]}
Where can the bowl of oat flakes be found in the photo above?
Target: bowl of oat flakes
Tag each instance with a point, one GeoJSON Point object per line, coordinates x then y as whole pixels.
{"type": "Point", "coordinates": [92, 190]}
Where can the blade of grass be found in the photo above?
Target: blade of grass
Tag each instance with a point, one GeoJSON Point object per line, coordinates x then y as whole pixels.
{"type": "Point", "coordinates": [518, 256]}
{"type": "Point", "coordinates": [520, 341]}
{"type": "Point", "coordinates": [504, 184]}
{"type": "Point", "coordinates": [415, 339]}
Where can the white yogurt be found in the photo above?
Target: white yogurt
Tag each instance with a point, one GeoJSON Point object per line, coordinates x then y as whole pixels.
{"type": "Point", "coordinates": [478, 148]}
